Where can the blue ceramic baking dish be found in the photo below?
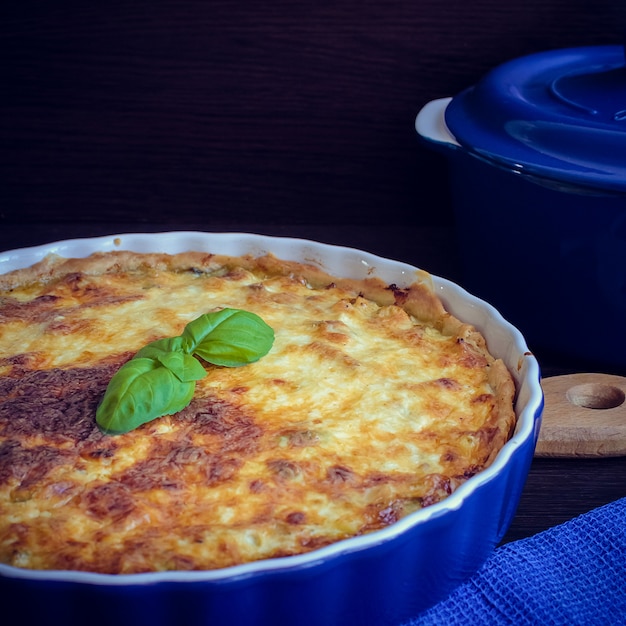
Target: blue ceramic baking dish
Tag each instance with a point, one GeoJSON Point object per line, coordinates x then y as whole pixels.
{"type": "Point", "coordinates": [383, 578]}
{"type": "Point", "coordinates": [537, 160]}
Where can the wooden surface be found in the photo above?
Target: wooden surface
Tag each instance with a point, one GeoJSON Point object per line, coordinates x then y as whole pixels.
{"type": "Point", "coordinates": [281, 118]}
{"type": "Point", "coordinates": [223, 110]}
{"type": "Point", "coordinates": [584, 416]}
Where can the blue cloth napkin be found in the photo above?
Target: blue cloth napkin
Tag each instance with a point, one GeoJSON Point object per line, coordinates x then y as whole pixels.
{"type": "Point", "coordinates": [571, 574]}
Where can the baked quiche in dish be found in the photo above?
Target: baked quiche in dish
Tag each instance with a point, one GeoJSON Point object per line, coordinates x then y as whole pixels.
{"type": "Point", "coordinates": [372, 402]}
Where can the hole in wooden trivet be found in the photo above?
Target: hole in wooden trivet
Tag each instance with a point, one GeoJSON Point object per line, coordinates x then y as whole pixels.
{"type": "Point", "coordinates": [596, 396]}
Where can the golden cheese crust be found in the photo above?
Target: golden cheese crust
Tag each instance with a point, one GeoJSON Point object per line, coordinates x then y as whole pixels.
{"type": "Point", "coordinates": [373, 402]}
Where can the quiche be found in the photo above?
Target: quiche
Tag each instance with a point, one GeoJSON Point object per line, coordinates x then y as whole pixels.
{"type": "Point", "coordinates": [373, 402]}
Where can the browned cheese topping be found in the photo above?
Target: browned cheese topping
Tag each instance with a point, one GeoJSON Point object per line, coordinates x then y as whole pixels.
{"type": "Point", "coordinates": [373, 403]}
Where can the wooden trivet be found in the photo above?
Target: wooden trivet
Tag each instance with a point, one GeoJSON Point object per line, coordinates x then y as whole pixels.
{"type": "Point", "coordinates": [584, 416]}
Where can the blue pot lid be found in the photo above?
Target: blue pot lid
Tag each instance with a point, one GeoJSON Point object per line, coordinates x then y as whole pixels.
{"type": "Point", "coordinates": [558, 116]}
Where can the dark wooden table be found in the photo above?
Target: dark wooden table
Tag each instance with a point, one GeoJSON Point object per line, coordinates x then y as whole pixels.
{"type": "Point", "coordinates": [280, 118]}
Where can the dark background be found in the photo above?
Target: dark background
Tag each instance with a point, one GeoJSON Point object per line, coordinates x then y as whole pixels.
{"type": "Point", "coordinates": [281, 117]}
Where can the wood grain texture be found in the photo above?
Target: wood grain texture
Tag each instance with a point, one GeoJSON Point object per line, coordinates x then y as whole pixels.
{"type": "Point", "coordinates": [584, 416]}
{"type": "Point", "coordinates": [558, 490]}
{"type": "Point", "coordinates": [214, 111]}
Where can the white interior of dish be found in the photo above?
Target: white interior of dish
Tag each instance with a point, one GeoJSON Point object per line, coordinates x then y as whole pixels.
{"type": "Point", "coordinates": [503, 339]}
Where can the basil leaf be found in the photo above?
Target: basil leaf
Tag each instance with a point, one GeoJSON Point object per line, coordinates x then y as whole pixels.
{"type": "Point", "coordinates": [184, 366]}
{"type": "Point", "coordinates": [169, 352]}
{"type": "Point", "coordinates": [161, 346]}
{"type": "Point", "coordinates": [161, 378]}
{"type": "Point", "coordinates": [140, 391]}
{"type": "Point", "coordinates": [229, 337]}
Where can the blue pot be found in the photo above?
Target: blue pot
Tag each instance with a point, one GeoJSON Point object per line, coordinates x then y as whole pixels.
{"type": "Point", "coordinates": [537, 155]}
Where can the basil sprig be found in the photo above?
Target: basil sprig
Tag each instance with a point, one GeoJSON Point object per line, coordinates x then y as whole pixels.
{"type": "Point", "coordinates": [161, 378]}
